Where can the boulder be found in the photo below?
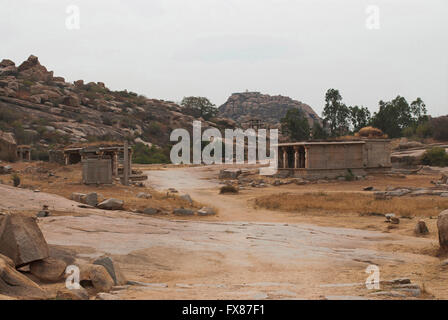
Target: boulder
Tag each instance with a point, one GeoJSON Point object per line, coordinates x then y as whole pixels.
{"type": "Point", "coordinates": [97, 275]}
{"type": "Point", "coordinates": [183, 212]}
{"type": "Point", "coordinates": [111, 204]}
{"type": "Point", "coordinates": [13, 283]}
{"type": "Point", "coordinates": [442, 226]}
{"type": "Point", "coordinates": [90, 199]}
{"type": "Point", "coordinates": [229, 173]}
{"type": "Point", "coordinates": [21, 239]}
{"type": "Point", "coordinates": [150, 211]}
{"type": "Point", "coordinates": [187, 198]}
{"type": "Point", "coordinates": [144, 195]}
{"type": "Point", "coordinates": [113, 269]}
{"type": "Point", "coordinates": [72, 294]}
{"type": "Point", "coordinates": [421, 228]}
{"type": "Point", "coordinates": [444, 179]}
{"type": "Point", "coordinates": [76, 196]}
{"type": "Point", "coordinates": [395, 220]}
{"type": "Point", "coordinates": [205, 211]}
{"type": "Point", "coordinates": [50, 269]}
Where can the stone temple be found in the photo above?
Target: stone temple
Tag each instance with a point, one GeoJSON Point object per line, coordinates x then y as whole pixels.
{"type": "Point", "coordinates": [331, 159]}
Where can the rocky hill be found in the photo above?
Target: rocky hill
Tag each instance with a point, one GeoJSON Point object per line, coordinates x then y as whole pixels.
{"type": "Point", "coordinates": [44, 110]}
{"type": "Point", "coordinates": [242, 107]}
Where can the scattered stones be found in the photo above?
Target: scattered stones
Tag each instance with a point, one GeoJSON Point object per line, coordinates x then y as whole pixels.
{"type": "Point", "coordinates": [421, 228]}
{"type": "Point", "coordinates": [111, 204]}
{"type": "Point", "coordinates": [442, 226]}
{"type": "Point", "coordinates": [229, 174]}
{"type": "Point", "coordinates": [205, 211]}
{"type": "Point", "coordinates": [49, 269]}
{"type": "Point", "coordinates": [72, 294]}
{"type": "Point", "coordinates": [183, 212]}
{"type": "Point", "coordinates": [21, 239]}
{"type": "Point", "coordinates": [144, 195]}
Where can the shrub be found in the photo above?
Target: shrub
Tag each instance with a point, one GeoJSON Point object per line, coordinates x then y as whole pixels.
{"type": "Point", "coordinates": [228, 189]}
{"type": "Point", "coordinates": [142, 154]}
{"type": "Point", "coordinates": [349, 176]}
{"type": "Point", "coordinates": [435, 157]}
{"type": "Point", "coordinates": [15, 179]}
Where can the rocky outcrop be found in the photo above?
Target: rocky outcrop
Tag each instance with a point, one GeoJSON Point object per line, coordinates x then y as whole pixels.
{"type": "Point", "coordinates": [13, 283]}
{"type": "Point", "coordinates": [21, 239]}
{"type": "Point", "coordinates": [50, 269]}
{"type": "Point", "coordinates": [60, 112]}
{"type": "Point", "coordinates": [242, 107]}
{"type": "Point", "coordinates": [111, 204]}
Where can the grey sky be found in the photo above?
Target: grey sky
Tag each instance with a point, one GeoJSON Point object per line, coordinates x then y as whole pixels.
{"type": "Point", "coordinates": [169, 49]}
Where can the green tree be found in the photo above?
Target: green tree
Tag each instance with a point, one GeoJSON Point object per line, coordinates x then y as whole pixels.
{"type": "Point", "coordinates": [199, 107]}
{"type": "Point", "coordinates": [336, 114]}
{"type": "Point", "coordinates": [318, 132]}
{"type": "Point", "coordinates": [295, 125]}
{"type": "Point", "coordinates": [393, 116]}
{"type": "Point", "coordinates": [359, 117]}
{"type": "Point", "coordinates": [418, 111]}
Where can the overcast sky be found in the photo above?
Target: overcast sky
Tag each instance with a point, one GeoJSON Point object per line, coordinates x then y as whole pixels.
{"type": "Point", "coordinates": [169, 49]}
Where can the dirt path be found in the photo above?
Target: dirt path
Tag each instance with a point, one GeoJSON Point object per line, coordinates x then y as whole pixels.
{"type": "Point", "coordinates": [240, 254]}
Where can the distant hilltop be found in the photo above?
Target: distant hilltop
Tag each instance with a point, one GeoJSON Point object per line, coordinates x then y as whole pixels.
{"type": "Point", "coordinates": [245, 106]}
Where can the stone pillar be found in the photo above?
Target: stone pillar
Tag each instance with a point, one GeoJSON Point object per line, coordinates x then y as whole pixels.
{"type": "Point", "coordinates": [115, 164]}
{"type": "Point", "coordinates": [307, 165]}
{"type": "Point", "coordinates": [285, 158]}
{"type": "Point", "coordinates": [130, 163]}
{"type": "Point", "coordinates": [29, 155]}
{"type": "Point", "coordinates": [296, 158]}
{"type": "Point", "coordinates": [66, 158]}
{"type": "Point", "coordinates": [126, 164]}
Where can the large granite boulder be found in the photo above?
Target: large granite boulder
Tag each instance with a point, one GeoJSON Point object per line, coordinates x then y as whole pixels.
{"type": "Point", "coordinates": [21, 239]}
{"type": "Point", "coordinates": [98, 276]}
{"type": "Point", "coordinates": [50, 269]}
{"type": "Point", "coordinates": [111, 204]}
{"type": "Point", "coordinates": [13, 283]}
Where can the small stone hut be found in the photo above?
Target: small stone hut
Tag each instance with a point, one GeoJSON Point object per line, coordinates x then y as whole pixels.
{"type": "Point", "coordinates": [330, 159]}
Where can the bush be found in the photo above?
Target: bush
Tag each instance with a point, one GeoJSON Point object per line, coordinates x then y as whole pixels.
{"type": "Point", "coordinates": [15, 179]}
{"type": "Point", "coordinates": [439, 128]}
{"type": "Point", "coordinates": [435, 157]}
{"type": "Point", "coordinates": [228, 189]}
{"type": "Point", "coordinates": [142, 154]}
{"type": "Point", "coordinates": [349, 176]}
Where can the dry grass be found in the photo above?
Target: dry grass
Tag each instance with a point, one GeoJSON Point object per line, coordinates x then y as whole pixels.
{"type": "Point", "coordinates": [355, 203]}
{"type": "Point", "coordinates": [64, 180]}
